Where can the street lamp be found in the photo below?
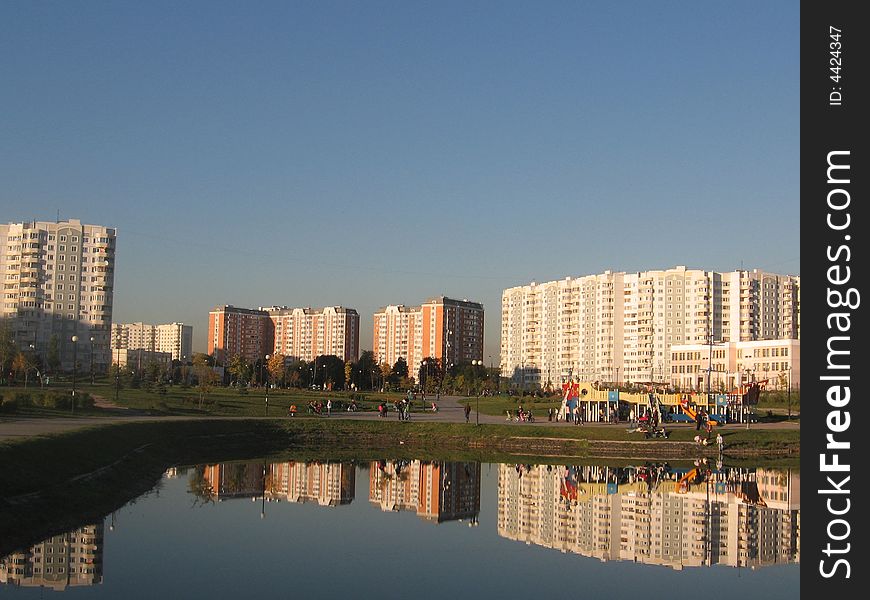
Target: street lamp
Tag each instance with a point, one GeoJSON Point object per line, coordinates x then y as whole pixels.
{"type": "Point", "coordinates": [117, 372]}
{"type": "Point", "coordinates": [788, 394]}
{"type": "Point", "coordinates": [424, 374]}
{"type": "Point", "coordinates": [477, 363]}
{"type": "Point", "coordinates": [92, 360]}
{"type": "Point", "coordinates": [27, 367]}
{"type": "Point", "coordinates": [266, 383]}
{"type": "Point", "coordinates": [75, 340]}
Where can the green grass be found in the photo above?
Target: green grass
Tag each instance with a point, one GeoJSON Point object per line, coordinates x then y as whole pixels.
{"type": "Point", "coordinates": [180, 400]}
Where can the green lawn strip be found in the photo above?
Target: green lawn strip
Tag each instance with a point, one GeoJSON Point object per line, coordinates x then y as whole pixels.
{"type": "Point", "coordinates": [183, 400]}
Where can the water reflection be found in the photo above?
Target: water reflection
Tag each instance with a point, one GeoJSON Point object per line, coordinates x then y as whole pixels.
{"type": "Point", "coordinates": [654, 514]}
{"type": "Point", "coordinates": [436, 491]}
{"type": "Point", "coordinates": [66, 560]}
{"type": "Point", "coordinates": [326, 483]}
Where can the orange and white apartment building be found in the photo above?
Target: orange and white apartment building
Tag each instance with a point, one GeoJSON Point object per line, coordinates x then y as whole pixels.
{"type": "Point", "coordinates": [297, 333]}
{"type": "Point", "coordinates": [306, 333]}
{"type": "Point", "coordinates": [443, 328]}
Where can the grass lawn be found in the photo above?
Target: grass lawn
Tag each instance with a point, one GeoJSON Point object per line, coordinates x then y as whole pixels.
{"type": "Point", "coordinates": [181, 400]}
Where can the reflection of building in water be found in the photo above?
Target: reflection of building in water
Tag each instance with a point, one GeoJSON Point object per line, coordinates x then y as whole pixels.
{"type": "Point", "coordinates": [69, 559]}
{"type": "Point", "coordinates": [436, 491]}
{"type": "Point", "coordinates": [328, 484]}
{"type": "Point", "coordinates": [735, 517]}
{"type": "Point", "coordinates": [234, 479]}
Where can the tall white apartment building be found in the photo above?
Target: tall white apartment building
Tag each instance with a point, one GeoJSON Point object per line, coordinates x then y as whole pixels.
{"type": "Point", "coordinates": [174, 338]}
{"type": "Point", "coordinates": [573, 509]}
{"type": "Point", "coordinates": [58, 280]}
{"type": "Point", "coordinates": [306, 333]}
{"type": "Point", "coordinates": [617, 326]}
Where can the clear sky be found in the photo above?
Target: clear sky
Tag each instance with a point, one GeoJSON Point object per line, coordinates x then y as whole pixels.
{"type": "Point", "coordinates": [373, 153]}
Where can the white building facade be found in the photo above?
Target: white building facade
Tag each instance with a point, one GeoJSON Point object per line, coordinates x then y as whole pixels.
{"type": "Point", "coordinates": [58, 281]}
{"type": "Point", "coordinates": [306, 333]}
{"type": "Point", "coordinates": [620, 327]}
{"type": "Point", "coordinates": [174, 338]}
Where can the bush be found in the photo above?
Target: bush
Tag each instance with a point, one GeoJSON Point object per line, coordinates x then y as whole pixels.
{"type": "Point", "coordinates": [15, 403]}
{"type": "Point", "coordinates": [84, 400]}
{"type": "Point", "coordinates": [55, 400]}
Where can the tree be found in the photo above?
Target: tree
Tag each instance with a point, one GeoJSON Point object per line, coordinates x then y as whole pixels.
{"type": "Point", "coordinates": [330, 371]}
{"type": "Point", "coordinates": [53, 357]}
{"type": "Point", "coordinates": [152, 371]}
{"type": "Point", "coordinates": [431, 374]}
{"type": "Point", "coordinates": [205, 376]}
{"type": "Point", "coordinates": [275, 366]}
{"type": "Point", "coordinates": [20, 365]}
{"type": "Point", "coordinates": [364, 372]}
{"type": "Point", "coordinates": [348, 374]}
{"type": "Point", "coordinates": [239, 368]}
{"type": "Point", "coordinates": [400, 369]}
{"type": "Point", "coordinates": [385, 372]}
{"type": "Point", "coordinates": [298, 374]}
{"type": "Point", "coordinates": [7, 347]}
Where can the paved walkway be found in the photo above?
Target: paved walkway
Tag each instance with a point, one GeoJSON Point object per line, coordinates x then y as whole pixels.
{"type": "Point", "coordinates": [449, 411]}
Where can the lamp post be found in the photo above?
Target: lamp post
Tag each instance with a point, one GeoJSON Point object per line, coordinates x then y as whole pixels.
{"type": "Point", "coordinates": [751, 376]}
{"type": "Point", "coordinates": [263, 504]}
{"type": "Point", "coordinates": [92, 360]}
{"type": "Point", "coordinates": [477, 363]}
{"type": "Point", "coordinates": [27, 366]}
{"type": "Point", "coordinates": [788, 393]}
{"type": "Point", "coordinates": [424, 374]}
{"type": "Point", "coordinates": [266, 383]}
{"type": "Point", "coordinates": [117, 373]}
{"type": "Point", "coordinates": [75, 340]}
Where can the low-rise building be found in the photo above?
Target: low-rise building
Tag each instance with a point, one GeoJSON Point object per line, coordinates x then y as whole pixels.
{"type": "Point", "coordinates": [731, 364]}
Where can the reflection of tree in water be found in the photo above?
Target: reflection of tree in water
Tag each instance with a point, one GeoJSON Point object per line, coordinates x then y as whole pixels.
{"type": "Point", "coordinates": [235, 478]}
{"type": "Point", "coordinates": [200, 487]}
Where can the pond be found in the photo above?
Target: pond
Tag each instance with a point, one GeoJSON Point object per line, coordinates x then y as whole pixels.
{"type": "Point", "coordinates": [421, 529]}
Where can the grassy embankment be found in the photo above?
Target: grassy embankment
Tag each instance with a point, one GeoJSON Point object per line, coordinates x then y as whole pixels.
{"type": "Point", "coordinates": [186, 400]}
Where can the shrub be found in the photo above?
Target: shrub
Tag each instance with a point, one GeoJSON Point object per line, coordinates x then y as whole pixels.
{"type": "Point", "coordinates": [84, 400]}
{"type": "Point", "coordinates": [56, 400]}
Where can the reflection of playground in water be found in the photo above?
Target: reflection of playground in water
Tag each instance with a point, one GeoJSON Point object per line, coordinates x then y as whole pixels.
{"type": "Point", "coordinates": [655, 514]}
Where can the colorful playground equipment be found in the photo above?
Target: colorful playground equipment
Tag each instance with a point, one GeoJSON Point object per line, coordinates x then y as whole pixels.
{"type": "Point", "coordinates": [600, 405]}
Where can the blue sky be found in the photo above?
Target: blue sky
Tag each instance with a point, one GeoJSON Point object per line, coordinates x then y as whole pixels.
{"type": "Point", "coordinates": [369, 153]}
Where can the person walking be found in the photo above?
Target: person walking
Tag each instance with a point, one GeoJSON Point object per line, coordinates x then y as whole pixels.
{"type": "Point", "coordinates": [467, 411]}
{"type": "Point", "coordinates": [329, 407]}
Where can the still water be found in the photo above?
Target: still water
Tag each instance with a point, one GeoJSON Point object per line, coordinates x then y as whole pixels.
{"type": "Point", "coordinates": [398, 529]}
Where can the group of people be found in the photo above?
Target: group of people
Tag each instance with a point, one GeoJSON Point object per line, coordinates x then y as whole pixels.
{"type": "Point", "coordinates": [520, 416]}
{"type": "Point", "coordinates": [572, 415]}
{"type": "Point", "coordinates": [403, 407]}
{"type": "Point", "coordinates": [317, 407]}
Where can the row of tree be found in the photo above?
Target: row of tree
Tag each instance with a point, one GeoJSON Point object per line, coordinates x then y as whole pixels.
{"type": "Point", "coordinates": [17, 365]}
{"type": "Point", "coordinates": [331, 372]}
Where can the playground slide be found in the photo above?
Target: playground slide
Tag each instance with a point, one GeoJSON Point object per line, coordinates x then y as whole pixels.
{"type": "Point", "coordinates": [694, 415]}
{"type": "Point", "coordinates": [682, 486]}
